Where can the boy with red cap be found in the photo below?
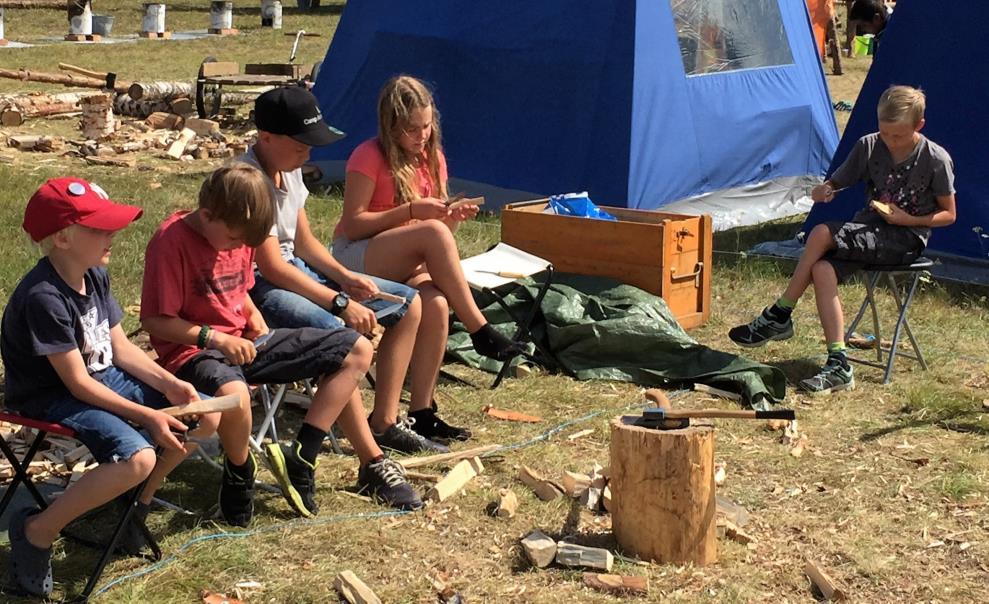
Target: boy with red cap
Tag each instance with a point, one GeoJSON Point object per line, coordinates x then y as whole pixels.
{"type": "Point", "coordinates": [69, 362]}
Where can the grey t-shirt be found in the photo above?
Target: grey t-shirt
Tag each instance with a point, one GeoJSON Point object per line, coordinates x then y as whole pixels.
{"type": "Point", "coordinates": [289, 200]}
{"type": "Point", "coordinates": [913, 184]}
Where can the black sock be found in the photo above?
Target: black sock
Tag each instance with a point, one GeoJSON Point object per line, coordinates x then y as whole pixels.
{"type": "Point", "coordinates": [490, 343]}
{"type": "Point", "coordinates": [778, 313]}
{"type": "Point", "coordinates": [244, 470]}
{"type": "Point", "coordinates": [311, 441]}
{"type": "Point", "coordinates": [838, 357]}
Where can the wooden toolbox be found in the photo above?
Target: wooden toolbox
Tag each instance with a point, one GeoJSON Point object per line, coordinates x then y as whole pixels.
{"type": "Point", "coordinates": [668, 255]}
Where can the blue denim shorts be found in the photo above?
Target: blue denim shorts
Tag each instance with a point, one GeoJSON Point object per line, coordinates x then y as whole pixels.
{"type": "Point", "coordinates": [107, 436]}
{"type": "Point", "coordinates": [282, 308]}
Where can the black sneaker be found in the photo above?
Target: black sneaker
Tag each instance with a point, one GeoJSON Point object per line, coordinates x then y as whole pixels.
{"type": "Point", "coordinates": [296, 476]}
{"type": "Point", "coordinates": [237, 493]}
{"type": "Point", "coordinates": [385, 481]}
{"type": "Point", "coordinates": [429, 425]}
{"type": "Point", "coordinates": [132, 540]}
{"type": "Point", "coordinates": [29, 568]}
{"type": "Point", "coordinates": [401, 437]}
{"type": "Point", "coordinates": [761, 330]}
{"type": "Point", "coordinates": [833, 377]}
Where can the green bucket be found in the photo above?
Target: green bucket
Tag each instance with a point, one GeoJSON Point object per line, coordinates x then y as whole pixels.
{"type": "Point", "coordinates": [864, 45]}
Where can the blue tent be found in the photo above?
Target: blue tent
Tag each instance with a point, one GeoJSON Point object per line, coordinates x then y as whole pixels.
{"type": "Point", "coordinates": [640, 103]}
{"type": "Point", "coordinates": [919, 48]}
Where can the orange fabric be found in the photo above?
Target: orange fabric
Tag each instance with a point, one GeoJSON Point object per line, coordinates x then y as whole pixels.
{"type": "Point", "coordinates": [821, 12]}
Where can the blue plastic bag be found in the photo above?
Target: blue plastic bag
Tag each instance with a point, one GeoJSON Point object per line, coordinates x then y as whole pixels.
{"type": "Point", "coordinates": [576, 204]}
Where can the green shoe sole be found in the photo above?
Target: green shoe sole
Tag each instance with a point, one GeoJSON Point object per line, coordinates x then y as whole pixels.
{"type": "Point", "coordinates": [276, 460]}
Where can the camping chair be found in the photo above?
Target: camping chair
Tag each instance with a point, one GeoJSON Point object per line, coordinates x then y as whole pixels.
{"type": "Point", "coordinates": [20, 468]}
{"type": "Point", "coordinates": [496, 269]}
{"type": "Point", "coordinates": [902, 293]}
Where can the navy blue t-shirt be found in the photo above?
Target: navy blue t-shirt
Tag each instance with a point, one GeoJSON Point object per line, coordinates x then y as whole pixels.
{"type": "Point", "coordinates": [45, 316]}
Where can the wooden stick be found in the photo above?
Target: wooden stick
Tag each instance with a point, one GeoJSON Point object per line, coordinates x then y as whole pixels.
{"type": "Point", "coordinates": [389, 297]}
{"type": "Point", "coordinates": [418, 462]}
{"type": "Point", "coordinates": [829, 589]}
{"type": "Point", "coordinates": [353, 590]}
{"type": "Point", "coordinates": [118, 86]}
{"type": "Point", "coordinates": [882, 208]}
{"type": "Point", "coordinates": [209, 405]}
{"type": "Point", "coordinates": [455, 479]}
{"type": "Point", "coordinates": [468, 201]}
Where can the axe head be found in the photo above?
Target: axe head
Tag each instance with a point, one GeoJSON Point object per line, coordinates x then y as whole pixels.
{"type": "Point", "coordinates": [656, 419]}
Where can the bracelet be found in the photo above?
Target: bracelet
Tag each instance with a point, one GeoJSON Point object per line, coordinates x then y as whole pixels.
{"type": "Point", "coordinates": [209, 338]}
{"type": "Point", "coordinates": [410, 210]}
{"type": "Point", "coordinates": [203, 332]}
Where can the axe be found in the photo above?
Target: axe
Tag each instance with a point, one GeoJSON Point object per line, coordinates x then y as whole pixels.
{"type": "Point", "coordinates": [662, 417]}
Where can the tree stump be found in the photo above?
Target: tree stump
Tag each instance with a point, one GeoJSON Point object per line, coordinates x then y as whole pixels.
{"type": "Point", "coordinates": [662, 492]}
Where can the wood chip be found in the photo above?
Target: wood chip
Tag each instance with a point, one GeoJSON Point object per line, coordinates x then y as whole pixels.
{"type": "Point", "coordinates": [824, 583]}
{"type": "Point", "coordinates": [209, 597]}
{"type": "Point", "coordinates": [544, 489]}
{"type": "Point", "coordinates": [512, 416]}
{"type": "Point", "coordinates": [571, 554]}
{"type": "Point", "coordinates": [539, 548]}
{"type": "Point", "coordinates": [507, 504]}
{"type": "Point", "coordinates": [617, 584]}
{"type": "Point", "coordinates": [456, 479]}
{"type": "Point", "coordinates": [353, 590]}
{"type": "Point", "coordinates": [580, 434]}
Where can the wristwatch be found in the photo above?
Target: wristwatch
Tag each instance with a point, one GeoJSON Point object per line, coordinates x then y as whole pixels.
{"type": "Point", "coordinates": [339, 304]}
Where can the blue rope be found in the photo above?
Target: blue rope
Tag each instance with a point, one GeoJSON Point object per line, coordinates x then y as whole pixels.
{"type": "Point", "coordinates": [153, 568]}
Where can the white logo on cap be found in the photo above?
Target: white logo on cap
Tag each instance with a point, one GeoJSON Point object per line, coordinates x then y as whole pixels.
{"type": "Point", "coordinates": [99, 191]}
{"type": "Point", "coordinates": [77, 188]}
{"type": "Point", "coordinates": [311, 120]}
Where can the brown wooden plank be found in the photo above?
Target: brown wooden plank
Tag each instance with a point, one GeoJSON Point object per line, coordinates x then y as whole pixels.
{"type": "Point", "coordinates": [219, 68]}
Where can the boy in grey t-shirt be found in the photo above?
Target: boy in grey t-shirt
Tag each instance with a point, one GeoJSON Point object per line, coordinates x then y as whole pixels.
{"type": "Point", "coordinates": [912, 178]}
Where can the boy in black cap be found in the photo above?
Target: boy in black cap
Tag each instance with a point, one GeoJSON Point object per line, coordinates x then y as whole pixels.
{"type": "Point", "coordinates": [300, 284]}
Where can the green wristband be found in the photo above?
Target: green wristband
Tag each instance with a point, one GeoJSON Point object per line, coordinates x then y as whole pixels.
{"type": "Point", "coordinates": [203, 332]}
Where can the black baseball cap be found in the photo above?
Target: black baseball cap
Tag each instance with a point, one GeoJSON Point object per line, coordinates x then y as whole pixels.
{"type": "Point", "coordinates": [294, 111]}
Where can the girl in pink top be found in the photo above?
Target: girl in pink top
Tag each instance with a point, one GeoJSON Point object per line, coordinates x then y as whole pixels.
{"type": "Point", "coordinates": [396, 225]}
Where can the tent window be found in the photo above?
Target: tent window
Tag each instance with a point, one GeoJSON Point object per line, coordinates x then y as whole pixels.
{"type": "Point", "coordinates": [724, 35]}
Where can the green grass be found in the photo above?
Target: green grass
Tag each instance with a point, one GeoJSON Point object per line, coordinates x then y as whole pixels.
{"type": "Point", "coordinates": [886, 471]}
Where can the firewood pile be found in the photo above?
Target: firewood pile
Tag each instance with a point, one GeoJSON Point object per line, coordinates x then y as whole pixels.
{"type": "Point", "coordinates": [60, 462]}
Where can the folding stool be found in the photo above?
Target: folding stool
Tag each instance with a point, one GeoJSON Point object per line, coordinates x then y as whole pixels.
{"type": "Point", "coordinates": [902, 293]}
{"type": "Point", "coordinates": [497, 268]}
{"type": "Point", "coordinates": [20, 468]}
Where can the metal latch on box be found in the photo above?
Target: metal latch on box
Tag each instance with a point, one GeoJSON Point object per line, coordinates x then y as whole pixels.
{"type": "Point", "coordinates": [698, 269]}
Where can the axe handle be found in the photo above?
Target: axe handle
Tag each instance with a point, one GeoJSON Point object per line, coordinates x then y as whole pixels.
{"type": "Point", "coordinates": [735, 413]}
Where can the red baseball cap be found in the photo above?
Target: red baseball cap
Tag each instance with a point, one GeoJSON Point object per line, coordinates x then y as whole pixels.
{"type": "Point", "coordinates": [63, 202]}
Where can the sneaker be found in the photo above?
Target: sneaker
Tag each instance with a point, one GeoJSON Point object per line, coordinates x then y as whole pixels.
{"type": "Point", "coordinates": [296, 476]}
{"type": "Point", "coordinates": [29, 568]}
{"type": "Point", "coordinates": [833, 377]}
{"type": "Point", "coordinates": [132, 539]}
{"type": "Point", "coordinates": [429, 425]}
{"type": "Point", "coordinates": [402, 438]}
{"type": "Point", "coordinates": [385, 481]}
{"type": "Point", "coordinates": [761, 330]}
{"type": "Point", "coordinates": [237, 493]}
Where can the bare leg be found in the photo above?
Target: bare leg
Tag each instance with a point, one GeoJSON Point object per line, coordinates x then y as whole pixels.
{"type": "Point", "coordinates": [337, 389]}
{"type": "Point", "coordinates": [235, 424]}
{"type": "Point", "coordinates": [819, 243]}
{"type": "Point", "coordinates": [397, 254]}
{"type": "Point", "coordinates": [430, 342]}
{"type": "Point", "coordinates": [357, 431]}
{"type": "Point", "coordinates": [394, 355]}
{"type": "Point", "coordinates": [828, 302]}
{"type": "Point", "coordinates": [171, 459]}
{"type": "Point", "coordinates": [94, 489]}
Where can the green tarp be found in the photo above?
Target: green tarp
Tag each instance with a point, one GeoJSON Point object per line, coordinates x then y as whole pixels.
{"type": "Point", "coordinates": [598, 328]}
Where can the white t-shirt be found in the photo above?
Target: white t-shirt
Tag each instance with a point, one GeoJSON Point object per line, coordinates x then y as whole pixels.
{"type": "Point", "coordinates": [289, 200]}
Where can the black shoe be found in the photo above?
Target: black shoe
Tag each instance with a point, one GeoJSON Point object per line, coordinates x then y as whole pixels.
{"type": "Point", "coordinates": [237, 493]}
{"type": "Point", "coordinates": [401, 437]}
{"type": "Point", "coordinates": [429, 425]}
{"type": "Point", "coordinates": [296, 476]}
{"type": "Point", "coordinates": [385, 481]}
{"type": "Point", "coordinates": [29, 568]}
{"type": "Point", "coordinates": [761, 330]}
{"type": "Point", "coordinates": [489, 342]}
{"type": "Point", "coordinates": [132, 541]}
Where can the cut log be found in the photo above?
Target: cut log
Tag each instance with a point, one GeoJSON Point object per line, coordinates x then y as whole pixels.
{"type": "Point", "coordinates": [571, 554]}
{"type": "Point", "coordinates": [544, 489]}
{"type": "Point", "coordinates": [177, 148]}
{"type": "Point", "coordinates": [353, 590]}
{"type": "Point", "coordinates": [663, 493]}
{"type": "Point", "coordinates": [539, 548]}
{"type": "Point", "coordinates": [455, 479]}
{"type": "Point", "coordinates": [163, 120]}
{"type": "Point", "coordinates": [124, 105]}
{"type": "Point", "coordinates": [35, 4]}
{"type": "Point", "coordinates": [617, 584]}
{"type": "Point", "coordinates": [507, 504]}
{"type": "Point", "coordinates": [418, 462]}
{"type": "Point", "coordinates": [27, 75]}
{"type": "Point", "coordinates": [160, 91]}
{"type": "Point", "coordinates": [203, 127]}
{"type": "Point", "coordinates": [827, 586]}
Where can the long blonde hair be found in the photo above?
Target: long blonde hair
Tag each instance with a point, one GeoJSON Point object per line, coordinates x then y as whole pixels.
{"type": "Point", "coordinates": [399, 97]}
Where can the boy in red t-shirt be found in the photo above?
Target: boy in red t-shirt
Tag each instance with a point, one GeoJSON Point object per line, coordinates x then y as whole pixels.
{"type": "Point", "coordinates": [206, 329]}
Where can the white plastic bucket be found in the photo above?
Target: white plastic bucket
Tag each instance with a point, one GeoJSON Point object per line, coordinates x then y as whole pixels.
{"type": "Point", "coordinates": [271, 14]}
{"type": "Point", "coordinates": [154, 18]}
{"type": "Point", "coordinates": [221, 14]}
{"type": "Point", "coordinates": [82, 24]}
{"type": "Point", "coordinates": [102, 25]}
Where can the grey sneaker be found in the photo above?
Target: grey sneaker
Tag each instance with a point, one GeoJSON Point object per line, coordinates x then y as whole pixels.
{"type": "Point", "coordinates": [385, 481]}
{"type": "Point", "coordinates": [400, 437]}
{"type": "Point", "coordinates": [833, 377]}
{"type": "Point", "coordinates": [761, 330]}
{"type": "Point", "coordinates": [29, 569]}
